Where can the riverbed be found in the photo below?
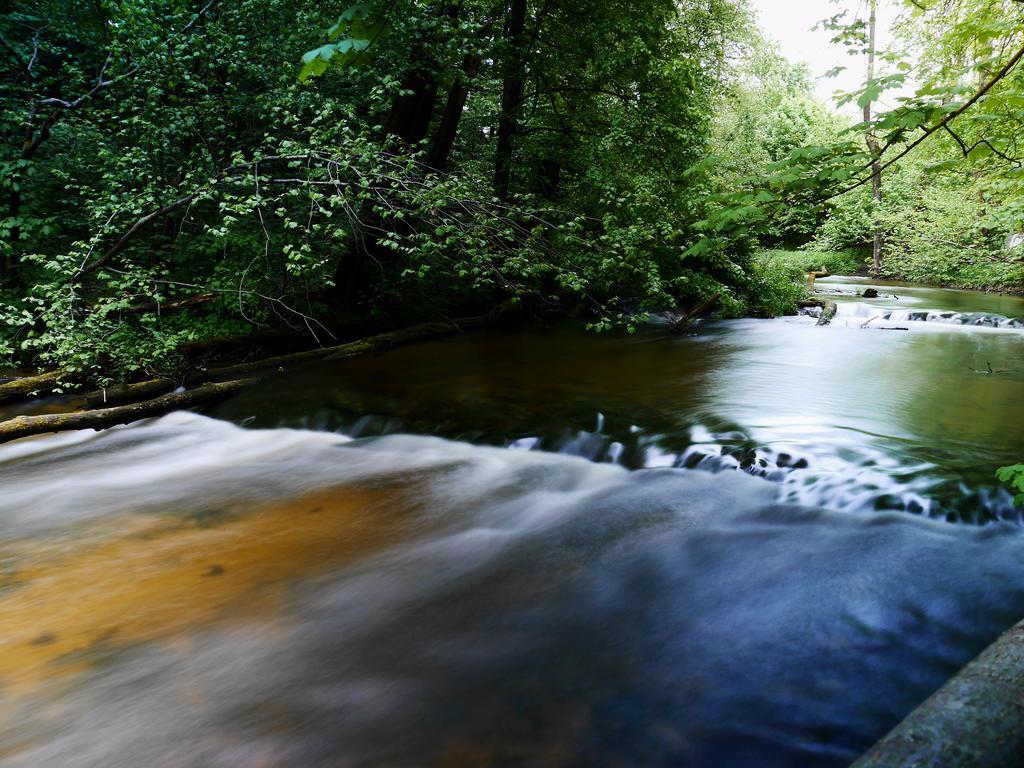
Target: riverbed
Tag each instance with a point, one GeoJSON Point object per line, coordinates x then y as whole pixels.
{"type": "Point", "coordinates": [761, 543]}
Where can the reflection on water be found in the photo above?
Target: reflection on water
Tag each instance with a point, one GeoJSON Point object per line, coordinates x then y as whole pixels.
{"type": "Point", "coordinates": [188, 592]}
{"type": "Point", "coordinates": [423, 602]}
{"type": "Point", "coordinates": [847, 417]}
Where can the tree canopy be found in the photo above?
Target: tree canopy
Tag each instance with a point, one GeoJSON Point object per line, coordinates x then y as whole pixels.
{"type": "Point", "coordinates": [180, 170]}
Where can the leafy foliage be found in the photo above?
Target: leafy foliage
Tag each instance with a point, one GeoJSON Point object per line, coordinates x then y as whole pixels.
{"type": "Point", "coordinates": [810, 260]}
{"type": "Point", "coordinates": [776, 286]}
{"type": "Point", "coordinates": [1013, 476]}
{"type": "Point", "coordinates": [950, 208]}
{"type": "Point", "coordinates": [201, 169]}
{"type": "Point", "coordinates": [765, 117]}
{"type": "Point", "coordinates": [348, 41]}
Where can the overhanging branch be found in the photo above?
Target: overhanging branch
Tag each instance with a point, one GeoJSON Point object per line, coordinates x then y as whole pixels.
{"type": "Point", "coordinates": [1006, 69]}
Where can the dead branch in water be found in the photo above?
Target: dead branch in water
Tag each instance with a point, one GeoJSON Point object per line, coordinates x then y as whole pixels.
{"type": "Point", "coordinates": [29, 385]}
{"type": "Point", "coordinates": [828, 313]}
{"type": "Point", "coordinates": [990, 370]}
{"type": "Point", "coordinates": [24, 426]}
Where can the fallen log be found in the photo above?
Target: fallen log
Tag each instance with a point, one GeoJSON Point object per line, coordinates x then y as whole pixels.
{"type": "Point", "coordinates": [808, 303]}
{"type": "Point", "coordinates": [128, 393]}
{"type": "Point", "coordinates": [24, 426]}
{"type": "Point", "coordinates": [974, 720]}
{"type": "Point", "coordinates": [30, 385]}
{"type": "Point", "coordinates": [681, 324]}
{"type": "Point", "coordinates": [27, 387]}
{"type": "Point", "coordinates": [828, 313]}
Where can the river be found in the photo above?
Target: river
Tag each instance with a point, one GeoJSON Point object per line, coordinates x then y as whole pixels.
{"type": "Point", "coordinates": [758, 544]}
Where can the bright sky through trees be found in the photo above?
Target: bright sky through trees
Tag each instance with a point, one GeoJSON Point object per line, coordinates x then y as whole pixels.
{"type": "Point", "coordinates": [790, 23]}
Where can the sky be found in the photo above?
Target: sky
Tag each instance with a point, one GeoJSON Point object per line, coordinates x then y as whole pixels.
{"type": "Point", "coordinates": [789, 23]}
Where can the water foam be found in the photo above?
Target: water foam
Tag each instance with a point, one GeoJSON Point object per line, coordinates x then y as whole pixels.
{"type": "Point", "coordinates": [542, 609]}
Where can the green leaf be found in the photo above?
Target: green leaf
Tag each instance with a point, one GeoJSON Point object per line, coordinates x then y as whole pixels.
{"type": "Point", "coordinates": [869, 95]}
{"type": "Point", "coordinates": [325, 52]}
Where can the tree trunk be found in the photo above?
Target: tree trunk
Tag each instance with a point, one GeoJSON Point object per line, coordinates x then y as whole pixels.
{"type": "Point", "coordinates": [973, 721]}
{"type": "Point", "coordinates": [448, 129]}
{"type": "Point", "coordinates": [409, 120]}
{"type": "Point", "coordinates": [412, 111]}
{"type": "Point", "coordinates": [872, 142]}
{"type": "Point", "coordinates": [702, 308]}
{"type": "Point", "coordinates": [511, 97]}
{"type": "Point", "coordinates": [128, 393]}
{"type": "Point", "coordinates": [549, 179]}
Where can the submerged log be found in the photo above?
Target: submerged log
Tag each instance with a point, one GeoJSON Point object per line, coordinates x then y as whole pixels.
{"type": "Point", "coordinates": [140, 407]}
{"type": "Point", "coordinates": [976, 719]}
{"type": "Point", "coordinates": [30, 385]}
{"type": "Point", "coordinates": [24, 426]}
{"type": "Point", "coordinates": [828, 313]}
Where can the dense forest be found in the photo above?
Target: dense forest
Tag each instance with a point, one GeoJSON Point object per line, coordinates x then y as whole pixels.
{"type": "Point", "coordinates": [176, 172]}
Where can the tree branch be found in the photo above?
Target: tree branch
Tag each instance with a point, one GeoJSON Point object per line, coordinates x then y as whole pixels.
{"type": "Point", "coordinates": [979, 143]}
{"type": "Point", "coordinates": [178, 204]}
{"type": "Point", "coordinates": [63, 106]}
{"type": "Point", "coordinates": [1006, 69]}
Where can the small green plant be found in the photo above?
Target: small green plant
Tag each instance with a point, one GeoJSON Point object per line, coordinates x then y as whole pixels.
{"type": "Point", "coordinates": [836, 262]}
{"type": "Point", "coordinates": [775, 287]}
{"type": "Point", "coordinates": [1013, 476]}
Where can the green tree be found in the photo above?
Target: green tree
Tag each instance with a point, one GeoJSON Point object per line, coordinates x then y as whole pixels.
{"type": "Point", "coordinates": [768, 112]}
{"type": "Point", "coordinates": [207, 168]}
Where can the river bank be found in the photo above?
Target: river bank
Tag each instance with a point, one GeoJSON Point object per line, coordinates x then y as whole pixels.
{"type": "Point", "coordinates": [849, 263]}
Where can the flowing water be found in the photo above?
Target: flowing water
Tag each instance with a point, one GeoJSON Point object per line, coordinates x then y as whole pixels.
{"type": "Point", "coordinates": [759, 544]}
